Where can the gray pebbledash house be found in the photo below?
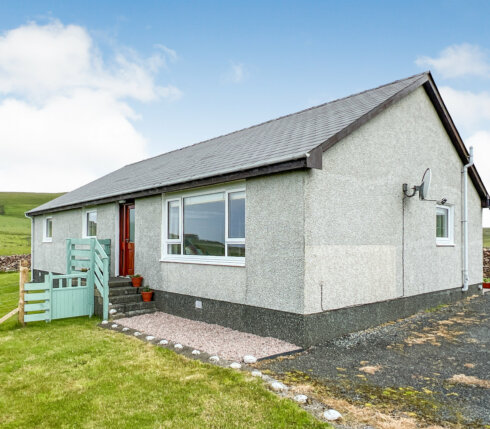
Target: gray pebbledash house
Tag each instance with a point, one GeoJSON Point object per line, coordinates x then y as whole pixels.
{"type": "Point", "coordinates": [297, 228]}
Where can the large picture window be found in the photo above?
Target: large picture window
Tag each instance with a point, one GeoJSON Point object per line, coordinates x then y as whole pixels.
{"type": "Point", "coordinates": [205, 227]}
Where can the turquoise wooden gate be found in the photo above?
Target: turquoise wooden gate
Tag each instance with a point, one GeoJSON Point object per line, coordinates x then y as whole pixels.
{"type": "Point", "coordinates": [71, 294]}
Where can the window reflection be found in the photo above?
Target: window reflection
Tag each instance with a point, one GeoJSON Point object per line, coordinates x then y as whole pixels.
{"type": "Point", "coordinates": [204, 225]}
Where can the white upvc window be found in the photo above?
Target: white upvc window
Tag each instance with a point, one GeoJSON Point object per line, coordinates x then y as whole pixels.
{"type": "Point", "coordinates": [444, 225]}
{"type": "Point", "coordinates": [48, 229]}
{"type": "Point", "coordinates": [205, 227]}
{"type": "Point", "coordinates": [89, 223]}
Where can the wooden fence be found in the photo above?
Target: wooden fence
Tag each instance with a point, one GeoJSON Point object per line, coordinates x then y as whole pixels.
{"type": "Point", "coordinates": [70, 294]}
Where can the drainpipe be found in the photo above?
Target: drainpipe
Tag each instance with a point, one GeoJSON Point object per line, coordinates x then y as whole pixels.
{"type": "Point", "coordinates": [465, 220]}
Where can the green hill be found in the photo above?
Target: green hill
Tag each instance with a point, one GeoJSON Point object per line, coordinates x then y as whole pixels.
{"type": "Point", "coordinates": [486, 237]}
{"type": "Point", "coordinates": [15, 228]}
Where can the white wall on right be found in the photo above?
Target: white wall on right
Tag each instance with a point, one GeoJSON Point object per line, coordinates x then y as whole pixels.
{"type": "Point", "coordinates": [359, 246]}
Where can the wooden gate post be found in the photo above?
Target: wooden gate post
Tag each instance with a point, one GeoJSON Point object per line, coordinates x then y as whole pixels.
{"type": "Point", "coordinates": [22, 281]}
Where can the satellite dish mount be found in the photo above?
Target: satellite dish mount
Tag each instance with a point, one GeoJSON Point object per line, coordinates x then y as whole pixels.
{"type": "Point", "coordinates": [422, 189]}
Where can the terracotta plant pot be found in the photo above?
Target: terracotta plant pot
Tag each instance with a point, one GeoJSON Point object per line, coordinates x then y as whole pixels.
{"type": "Point", "coordinates": [147, 296]}
{"type": "Point", "coordinates": [486, 285]}
{"type": "Point", "coordinates": [136, 281]}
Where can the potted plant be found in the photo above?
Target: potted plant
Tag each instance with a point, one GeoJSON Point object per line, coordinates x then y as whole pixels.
{"type": "Point", "coordinates": [486, 283]}
{"type": "Point", "coordinates": [136, 280]}
{"type": "Point", "coordinates": [146, 294]}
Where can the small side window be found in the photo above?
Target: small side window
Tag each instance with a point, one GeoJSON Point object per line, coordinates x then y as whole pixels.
{"type": "Point", "coordinates": [48, 230]}
{"type": "Point", "coordinates": [444, 225]}
{"type": "Point", "coordinates": [90, 224]}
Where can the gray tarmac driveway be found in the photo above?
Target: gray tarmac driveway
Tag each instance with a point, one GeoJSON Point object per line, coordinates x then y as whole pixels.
{"type": "Point", "coordinates": [434, 366]}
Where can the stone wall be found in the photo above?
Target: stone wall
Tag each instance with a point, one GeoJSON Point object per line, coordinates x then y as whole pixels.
{"type": "Point", "coordinates": [11, 262]}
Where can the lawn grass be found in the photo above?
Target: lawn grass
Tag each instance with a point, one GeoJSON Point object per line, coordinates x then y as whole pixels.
{"type": "Point", "coordinates": [9, 296]}
{"type": "Point", "coordinates": [486, 237]}
{"type": "Point", "coordinates": [15, 228]}
{"type": "Point", "coordinates": [70, 373]}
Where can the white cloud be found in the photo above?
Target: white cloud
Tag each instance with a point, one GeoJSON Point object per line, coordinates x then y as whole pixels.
{"type": "Point", "coordinates": [459, 60]}
{"type": "Point", "coordinates": [481, 145]}
{"type": "Point", "coordinates": [471, 114]}
{"type": "Point", "coordinates": [64, 112]}
{"type": "Point", "coordinates": [236, 73]}
{"type": "Point", "coordinates": [469, 110]}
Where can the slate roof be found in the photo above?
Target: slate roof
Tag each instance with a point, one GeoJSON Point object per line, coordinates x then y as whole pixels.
{"type": "Point", "coordinates": [283, 139]}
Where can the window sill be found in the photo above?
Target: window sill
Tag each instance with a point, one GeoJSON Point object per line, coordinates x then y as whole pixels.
{"type": "Point", "coordinates": [223, 261]}
{"type": "Point", "coordinates": [445, 245]}
{"type": "Point", "coordinates": [47, 240]}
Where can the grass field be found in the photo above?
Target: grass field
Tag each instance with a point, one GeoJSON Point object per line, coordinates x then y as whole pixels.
{"type": "Point", "coordinates": [486, 237]}
{"type": "Point", "coordinates": [15, 228]}
{"type": "Point", "coordinates": [70, 373]}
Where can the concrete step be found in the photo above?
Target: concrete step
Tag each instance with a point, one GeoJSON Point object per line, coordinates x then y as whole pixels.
{"type": "Point", "coordinates": [124, 299]}
{"type": "Point", "coordinates": [133, 313]}
{"type": "Point", "coordinates": [119, 282]}
{"type": "Point", "coordinates": [132, 306]}
{"type": "Point", "coordinates": [123, 290]}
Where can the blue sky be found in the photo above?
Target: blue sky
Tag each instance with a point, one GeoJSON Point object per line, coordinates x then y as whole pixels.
{"type": "Point", "coordinates": [214, 67]}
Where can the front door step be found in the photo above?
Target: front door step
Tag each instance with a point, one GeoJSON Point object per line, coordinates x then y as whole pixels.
{"type": "Point", "coordinates": [149, 307]}
{"type": "Point", "coordinates": [125, 299]}
{"type": "Point", "coordinates": [119, 281]}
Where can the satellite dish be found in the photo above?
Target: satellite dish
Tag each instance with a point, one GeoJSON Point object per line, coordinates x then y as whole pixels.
{"type": "Point", "coordinates": [425, 185]}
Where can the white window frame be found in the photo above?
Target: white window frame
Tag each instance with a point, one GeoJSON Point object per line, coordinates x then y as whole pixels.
{"type": "Point", "coordinates": [449, 240]}
{"type": "Point", "coordinates": [85, 223]}
{"type": "Point", "coordinates": [199, 259]}
{"type": "Point", "coordinates": [47, 239]}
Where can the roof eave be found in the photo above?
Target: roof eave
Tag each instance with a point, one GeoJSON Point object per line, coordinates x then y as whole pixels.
{"type": "Point", "coordinates": [430, 87]}
{"type": "Point", "coordinates": [448, 123]}
{"type": "Point", "coordinates": [344, 132]}
{"type": "Point", "coordinates": [305, 162]}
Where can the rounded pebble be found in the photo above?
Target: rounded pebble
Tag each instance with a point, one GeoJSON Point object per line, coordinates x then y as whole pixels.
{"type": "Point", "coordinates": [256, 373]}
{"type": "Point", "coordinates": [332, 415]}
{"type": "Point", "coordinates": [301, 399]}
{"type": "Point", "coordinates": [196, 352]}
{"type": "Point", "coordinates": [214, 359]}
{"type": "Point", "coordinates": [163, 342]}
{"type": "Point", "coordinates": [125, 329]}
{"type": "Point", "coordinates": [235, 365]}
{"type": "Point", "coordinates": [278, 386]}
{"type": "Point", "coordinates": [105, 322]}
{"type": "Point", "coordinates": [112, 311]}
{"type": "Point", "coordinates": [137, 334]}
{"type": "Point", "coordinates": [249, 359]}
{"type": "Point", "coordinates": [114, 326]}
{"type": "Point", "coordinates": [179, 346]}
{"type": "Point", "coordinates": [150, 337]}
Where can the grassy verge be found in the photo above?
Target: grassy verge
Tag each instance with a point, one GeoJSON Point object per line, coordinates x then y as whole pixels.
{"type": "Point", "coordinates": [9, 296]}
{"type": "Point", "coordinates": [15, 228]}
{"type": "Point", "coordinates": [70, 373]}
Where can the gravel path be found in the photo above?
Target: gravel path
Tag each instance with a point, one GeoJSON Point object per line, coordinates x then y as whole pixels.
{"type": "Point", "coordinates": [435, 363]}
{"type": "Point", "coordinates": [212, 339]}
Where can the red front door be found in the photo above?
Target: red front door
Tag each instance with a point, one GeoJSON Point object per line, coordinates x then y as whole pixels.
{"type": "Point", "coordinates": [126, 245]}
